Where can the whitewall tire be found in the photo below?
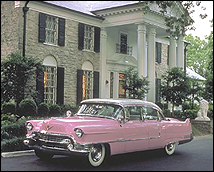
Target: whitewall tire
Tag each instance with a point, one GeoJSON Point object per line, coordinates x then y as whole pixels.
{"type": "Point", "coordinates": [170, 148]}
{"type": "Point", "coordinates": [97, 155]}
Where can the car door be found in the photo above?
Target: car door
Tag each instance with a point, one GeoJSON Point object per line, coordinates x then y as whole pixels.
{"type": "Point", "coordinates": [151, 118]}
{"type": "Point", "coordinates": [136, 131]}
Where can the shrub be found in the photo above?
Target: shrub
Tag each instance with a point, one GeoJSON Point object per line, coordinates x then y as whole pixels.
{"type": "Point", "coordinates": [27, 107]}
{"type": "Point", "coordinates": [178, 114]}
{"type": "Point", "coordinates": [72, 108]}
{"type": "Point", "coordinates": [8, 107]}
{"type": "Point", "coordinates": [55, 110]}
{"type": "Point", "coordinates": [191, 113]}
{"type": "Point", "coordinates": [15, 144]}
{"type": "Point", "coordinates": [43, 109]}
{"type": "Point", "coordinates": [210, 111]}
{"type": "Point", "coordinates": [186, 106]}
{"type": "Point", "coordinates": [6, 122]}
{"type": "Point", "coordinates": [7, 119]}
{"type": "Point", "coordinates": [167, 113]}
{"type": "Point", "coordinates": [13, 130]}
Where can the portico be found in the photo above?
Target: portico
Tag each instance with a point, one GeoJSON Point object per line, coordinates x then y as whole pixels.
{"type": "Point", "coordinates": [140, 32]}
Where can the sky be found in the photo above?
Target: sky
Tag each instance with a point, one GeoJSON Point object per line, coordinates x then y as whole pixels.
{"type": "Point", "coordinates": [202, 25]}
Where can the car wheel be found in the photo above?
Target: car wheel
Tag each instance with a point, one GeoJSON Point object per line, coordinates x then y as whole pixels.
{"type": "Point", "coordinates": [43, 155]}
{"type": "Point", "coordinates": [170, 148]}
{"type": "Point", "coordinates": [97, 155]}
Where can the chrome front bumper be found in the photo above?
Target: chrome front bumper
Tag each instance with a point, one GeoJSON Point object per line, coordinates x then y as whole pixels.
{"type": "Point", "coordinates": [55, 143]}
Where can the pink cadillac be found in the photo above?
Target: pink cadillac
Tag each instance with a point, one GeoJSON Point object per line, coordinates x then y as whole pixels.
{"type": "Point", "coordinates": [105, 127]}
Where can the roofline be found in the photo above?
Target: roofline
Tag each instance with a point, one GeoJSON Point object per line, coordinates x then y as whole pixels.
{"type": "Point", "coordinates": [98, 17]}
{"type": "Point", "coordinates": [94, 11]}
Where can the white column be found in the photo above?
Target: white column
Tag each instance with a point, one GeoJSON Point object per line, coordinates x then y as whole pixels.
{"type": "Point", "coordinates": [172, 53]}
{"type": "Point", "coordinates": [141, 52]}
{"type": "Point", "coordinates": [103, 68]}
{"type": "Point", "coordinates": [181, 52]}
{"type": "Point", "coordinates": [151, 64]}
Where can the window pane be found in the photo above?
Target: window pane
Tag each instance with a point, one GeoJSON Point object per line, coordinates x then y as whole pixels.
{"type": "Point", "coordinates": [89, 38]}
{"type": "Point", "coordinates": [87, 84]}
{"type": "Point", "coordinates": [51, 30]}
{"type": "Point", "coordinates": [50, 84]}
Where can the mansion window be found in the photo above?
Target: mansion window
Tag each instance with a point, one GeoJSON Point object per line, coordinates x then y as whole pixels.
{"type": "Point", "coordinates": [123, 47]}
{"type": "Point", "coordinates": [111, 84]}
{"type": "Point", "coordinates": [87, 84]}
{"type": "Point", "coordinates": [51, 30]}
{"type": "Point", "coordinates": [89, 38]}
{"type": "Point", "coordinates": [158, 52]}
{"type": "Point", "coordinates": [50, 79]}
{"type": "Point", "coordinates": [122, 92]}
{"type": "Point", "coordinates": [123, 43]}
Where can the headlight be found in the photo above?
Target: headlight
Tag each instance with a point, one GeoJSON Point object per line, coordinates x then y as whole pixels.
{"type": "Point", "coordinates": [78, 132]}
{"type": "Point", "coordinates": [29, 126]}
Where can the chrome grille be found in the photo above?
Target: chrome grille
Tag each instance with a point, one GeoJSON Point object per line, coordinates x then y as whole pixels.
{"type": "Point", "coordinates": [55, 141]}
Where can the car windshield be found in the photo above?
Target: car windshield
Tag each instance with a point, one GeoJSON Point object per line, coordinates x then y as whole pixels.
{"type": "Point", "coordinates": [100, 110]}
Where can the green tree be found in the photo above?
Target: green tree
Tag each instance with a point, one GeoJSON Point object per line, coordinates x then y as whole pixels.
{"type": "Point", "coordinates": [175, 87]}
{"type": "Point", "coordinates": [180, 23]}
{"type": "Point", "coordinates": [135, 87]}
{"type": "Point", "coordinates": [197, 57]}
{"type": "Point", "coordinates": [208, 94]}
{"type": "Point", "coordinates": [15, 72]}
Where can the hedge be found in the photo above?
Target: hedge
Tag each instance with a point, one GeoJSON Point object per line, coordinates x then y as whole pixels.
{"type": "Point", "coordinates": [14, 144]}
{"type": "Point", "coordinates": [8, 107]}
{"type": "Point", "coordinates": [13, 130]}
{"type": "Point", "coordinates": [27, 107]}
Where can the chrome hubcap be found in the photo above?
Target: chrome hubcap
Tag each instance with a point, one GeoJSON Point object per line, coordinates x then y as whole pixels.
{"type": "Point", "coordinates": [96, 153]}
{"type": "Point", "coordinates": [170, 147]}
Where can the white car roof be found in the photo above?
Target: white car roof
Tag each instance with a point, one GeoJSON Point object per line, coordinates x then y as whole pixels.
{"type": "Point", "coordinates": [122, 102]}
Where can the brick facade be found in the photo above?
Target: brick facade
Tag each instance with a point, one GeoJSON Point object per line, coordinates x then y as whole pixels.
{"type": "Point", "coordinates": [11, 28]}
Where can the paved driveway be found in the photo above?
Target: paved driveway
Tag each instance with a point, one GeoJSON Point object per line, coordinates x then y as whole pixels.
{"type": "Point", "coordinates": [194, 156]}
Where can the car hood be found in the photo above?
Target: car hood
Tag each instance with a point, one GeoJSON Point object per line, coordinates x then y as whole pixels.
{"type": "Point", "coordinates": [89, 125]}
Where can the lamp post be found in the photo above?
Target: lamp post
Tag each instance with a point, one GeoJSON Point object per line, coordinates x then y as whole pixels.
{"type": "Point", "coordinates": [25, 9]}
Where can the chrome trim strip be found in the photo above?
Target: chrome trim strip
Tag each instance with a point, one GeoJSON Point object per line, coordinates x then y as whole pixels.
{"type": "Point", "coordinates": [123, 140]}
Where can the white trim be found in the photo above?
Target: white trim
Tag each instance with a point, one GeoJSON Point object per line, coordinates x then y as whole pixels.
{"type": "Point", "coordinates": [50, 61]}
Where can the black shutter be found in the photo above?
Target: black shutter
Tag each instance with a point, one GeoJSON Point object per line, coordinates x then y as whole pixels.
{"type": "Point", "coordinates": [158, 90]}
{"type": "Point", "coordinates": [158, 52]}
{"type": "Point", "coordinates": [42, 25]}
{"type": "Point", "coordinates": [39, 85]}
{"type": "Point", "coordinates": [81, 36]}
{"type": "Point", "coordinates": [79, 85]}
{"type": "Point", "coordinates": [97, 39]}
{"type": "Point", "coordinates": [96, 85]}
{"type": "Point", "coordinates": [168, 56]}
{"type": "Point", "coordinates": [60, 86]}
{"type": "Point", "coordinates": [61, 32]}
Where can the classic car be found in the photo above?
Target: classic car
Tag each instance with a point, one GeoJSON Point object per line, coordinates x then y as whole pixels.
{"type": "Point", "coordinates": [105, 127]}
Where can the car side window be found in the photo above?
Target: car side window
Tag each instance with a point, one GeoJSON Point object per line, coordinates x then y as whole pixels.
{"type": "Point", "coordinates": [134, 112]}
{"type": "Point", "coordinates": [149, 113]}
